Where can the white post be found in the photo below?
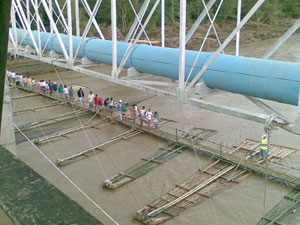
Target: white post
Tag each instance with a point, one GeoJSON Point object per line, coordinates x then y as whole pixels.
{"type": "Point", "coordinates": [28, 11]}
{"type": "Point", "coordinates": [38, 26]}
{"type": "Point", "coordinates": [77, 18]}
{"type": "Point", "coordinates": [70, 30]}
{"type": "Point", "coordinates": [51, 13]}
{"type": "Point", "coordinates": [182, 36]}
{"type": "Point", "coordinates": [13, 23]}
{"type": "Point", "coordinates": [238, 20]}
{"type": "Point", "coordinates": [163, 23]}
{"type": "Point", "coordinates": [55, 29]}
{"type": "Point", "coordinates": [114, 38]}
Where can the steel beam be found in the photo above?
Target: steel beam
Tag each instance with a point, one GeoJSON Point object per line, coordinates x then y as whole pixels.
{"type": "Point", "coordinates": [226, 42]}
{"type": "Point", "coordinates": [282, 40]}
{"type": "Point", "coordinates": [77, 17]}
{"type": "Point", "coordinates": [129, 51]}
{"type": "Point", "coordinates": [88, 26]}
{"type": "Point", "coordinates": [114, 33]}
{"type": "Point", "coordinates": [199, 20]}
{"type": "Point", "coordinates": [70, 33]}
{"type": "Point", "coordinates": [51, 13]}
{"type": "Point", "coordinates": [20, 9]}
{"type": "Point", "coordinates": [238, 20]}
{"type": "Point", "coordinates": [55, 30]}
{"type": "Point", "coordinates": [61, 15]}
{"type": "Point", "coordinates": [163, 12]}
{"type": "Point", "coordinates": [88, 9]}
{"type": "Point", "coordinates": [138, 20]}
{"type": "Point", "coordinates": [182, 34]}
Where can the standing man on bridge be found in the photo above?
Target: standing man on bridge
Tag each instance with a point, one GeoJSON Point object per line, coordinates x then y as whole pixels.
{"type": "Point", "coordinates": [264, 146]}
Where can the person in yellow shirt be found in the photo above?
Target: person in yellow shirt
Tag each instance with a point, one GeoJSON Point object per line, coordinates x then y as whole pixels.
{"type": "Point", "coordinates": [264, 146]}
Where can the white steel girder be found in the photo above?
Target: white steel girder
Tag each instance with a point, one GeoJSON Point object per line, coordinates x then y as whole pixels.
{"type": "Point", "coordinates": [139, 84]}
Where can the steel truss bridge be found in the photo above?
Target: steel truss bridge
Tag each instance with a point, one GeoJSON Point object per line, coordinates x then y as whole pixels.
{"type": "Point", "coordinates": [25, 14]}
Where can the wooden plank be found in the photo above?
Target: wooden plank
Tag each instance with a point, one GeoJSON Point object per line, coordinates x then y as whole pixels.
{"type": "Point", "coordinates": [62, 162]}
{"type": "Point", "coordinates": [65, 133]}
{"type": "Point", "coordinates": [156, 211]}
{"type": "Point", "coordinates": [152, 160]}
{"type": "Point", "coordinates": [34, 109]}
{"type": "Point", "coordinates": [24, 96]}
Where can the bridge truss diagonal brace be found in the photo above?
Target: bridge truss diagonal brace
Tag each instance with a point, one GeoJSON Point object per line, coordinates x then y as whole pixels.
{"type": "Point", "coordinates": [138, 19]}
{"type": "Point", "coordinates": [282, 40]}
{"type": "Point", "coordinates": [89, 11]}
{"type": "Point", "coordinates": [132, 46]}
{"type": "Point", "coordinates": [55, 30]}
{"type": "Point", "coordinates": [199, 20]}
{"type": "Point", "coordinates": [225, 43]}
{"type": "Point", "coordinates": [88, 26]}
{"type": "Point", "coordinates": [19, 8]}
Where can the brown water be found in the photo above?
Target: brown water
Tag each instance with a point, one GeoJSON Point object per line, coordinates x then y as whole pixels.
{"type": "Point", "coordinates": [244, 203]}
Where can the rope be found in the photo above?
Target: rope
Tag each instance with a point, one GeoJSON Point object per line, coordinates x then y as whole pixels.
{"type": "Point", "coordinates": [62, 173]}
{"type": "Point", "coordinates": [85, 133]}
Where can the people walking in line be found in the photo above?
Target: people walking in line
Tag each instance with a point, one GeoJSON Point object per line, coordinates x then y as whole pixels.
{"type": "Point", "coordinates": [91, 97]}
{"type": "Point", "coordinates": [71, 93]}
{"type": "Point", "coordinates": [61, 91]}
{"type": "Point", "coordinates": [80, 95]}
{"type": "Point", "coordinates": [66, 92]}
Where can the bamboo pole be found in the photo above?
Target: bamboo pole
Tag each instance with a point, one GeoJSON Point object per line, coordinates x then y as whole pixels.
{"type": "Point", "coordinates": [61, 162]}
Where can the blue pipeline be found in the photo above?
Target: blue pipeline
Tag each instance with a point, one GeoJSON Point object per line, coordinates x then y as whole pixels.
{"type": "Point", "coordinates": [268, 79]}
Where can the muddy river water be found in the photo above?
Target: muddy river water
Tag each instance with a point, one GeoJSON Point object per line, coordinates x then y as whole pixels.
{"type": "Point", "coordinates": [244, 203]}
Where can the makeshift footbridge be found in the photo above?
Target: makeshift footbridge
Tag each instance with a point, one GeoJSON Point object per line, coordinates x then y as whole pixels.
{"type": "Point", "coordinates": [225, 170]}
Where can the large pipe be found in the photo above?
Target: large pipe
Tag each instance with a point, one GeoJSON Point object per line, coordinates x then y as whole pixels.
{"type": "Point", "coordinates": [273, 80]}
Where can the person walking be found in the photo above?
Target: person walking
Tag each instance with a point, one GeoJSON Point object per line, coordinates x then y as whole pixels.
{"type": "Point", "coordinates": [80, 95]}
{"type": "Point", "coordinates": [91, 97]}
{"type": "Point", "coordinates": [264, 147]}
{"type": "Point", "coordinates": [119, 109]}
{"type": "Point", "coordinates": [142, 115]}
{"type": "Point", "coordinates": [156, 119]}
{"type": "Point", "coordinates": [54, 89]}
{"type": "Point", "coordinates": [111, 106]}
{"type": "Point", "coordinates": [66, 92]}
{"type": "Point", "coordinates": [148, 116]}
{"type": "Point", "coordinates": [71, 93]}
{"type": "Point", "coordinates": [61, 91]}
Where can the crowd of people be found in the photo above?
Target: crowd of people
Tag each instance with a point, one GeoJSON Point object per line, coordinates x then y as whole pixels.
{"type": "Point", "coordinates": [103, 105]}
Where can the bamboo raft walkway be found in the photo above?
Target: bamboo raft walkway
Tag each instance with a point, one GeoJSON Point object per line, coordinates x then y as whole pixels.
{"type": "Point", "coordinates": [85, 153]}
{"type": "Point", "coordinates": [196, 135]}
{"type": "Point", "coordinates": [286, 212]}
{"type": "Point", "coordinates": [67, 133]}
{"type": "Point", "coordinates": [39, 108]}
{"type": "Point", "coordinates": [48, 121]}
{"type": "Point", "coordinates": [24, 96]}
{"type": "Point", "coordinates": [206, 183]}
{"type": "Point", "coordinates": [247, 164]}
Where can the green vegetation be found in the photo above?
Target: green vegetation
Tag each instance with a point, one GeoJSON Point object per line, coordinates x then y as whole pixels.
{"type": "Point", "coordinates": [271, 12]}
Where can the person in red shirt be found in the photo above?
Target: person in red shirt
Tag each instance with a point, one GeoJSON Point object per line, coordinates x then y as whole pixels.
{"type": "Point", "coordinates": [100, 103]}
{"type": "Point", "coordinates": [96, 102]}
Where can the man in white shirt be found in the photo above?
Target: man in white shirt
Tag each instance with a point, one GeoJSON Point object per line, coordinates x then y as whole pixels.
{"type": "Point", "coordinates": [148, 115]}
{"type": "Point", "coordinates": [91, 97]}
